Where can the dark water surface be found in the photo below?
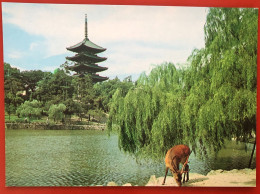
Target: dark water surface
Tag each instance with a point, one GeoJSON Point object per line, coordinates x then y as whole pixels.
{"type": "Point", "coordinates": [85, 158]}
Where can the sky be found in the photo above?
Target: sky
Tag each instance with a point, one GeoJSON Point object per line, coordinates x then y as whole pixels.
{"type": "Point", "coordinates": [137, 38]}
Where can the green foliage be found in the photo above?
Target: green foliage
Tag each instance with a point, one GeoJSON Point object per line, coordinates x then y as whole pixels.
{"type": "Point", "coordinates": [98, 115]}
{"type": "Point", "coordinates": [105, 91]}
{"type": "Point", "coordinates": [15, 119]}
{"type": "Point", "coordinates": [78, 94]}
{"type": "Point", "coordinates": [13, 88]}
{"type": "Point", "coordinates": [57, 87]}
{"type": "Point", "coordinates": [149, 112]}
{"type": "Point", "coordinates": [30, 80]}
{"type": "Point", "coordinates": [10, 71]}
{"type": "Point", "coordinates": [56, 112]}
{"type": "Point", "coordinates": [72, 107]}
{"type": "Point", "coordinates": [212, 99]}
{"type": "Point", "coordinates": [85, 94]}
{"type": "Point", "coordinates": [30, 109]}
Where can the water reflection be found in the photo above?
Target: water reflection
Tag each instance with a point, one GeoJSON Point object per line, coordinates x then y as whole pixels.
{"type": "Point", "coordinates": [85, 158]}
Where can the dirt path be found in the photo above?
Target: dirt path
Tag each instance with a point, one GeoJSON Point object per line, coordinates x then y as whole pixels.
{"type": "Point", "coordinates": [216, 178]}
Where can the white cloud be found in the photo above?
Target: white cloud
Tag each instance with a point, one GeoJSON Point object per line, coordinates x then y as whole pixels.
{"type": "Point", "coordinates": [33, 45]}
{"type": "Point", "coordinates": [136, 59]}
{"type": "Point", "coordinates": [48, 68]}
{"type": "Point", "coordinates": [48, 21]}
{"type": "Point", "coordinates": [21, 69]}
{"type": "Point", "coordinates": [135, 36]}
{"type": "Point", "coordinates": [16, 54]}
{"type": "Point", "coordinates": [162, 25]}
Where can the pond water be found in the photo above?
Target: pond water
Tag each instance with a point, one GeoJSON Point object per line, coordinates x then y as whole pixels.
{"type": "Point", "coordinates": [86, 158]}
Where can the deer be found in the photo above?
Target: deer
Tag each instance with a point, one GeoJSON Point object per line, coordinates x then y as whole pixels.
{"type": "Point", "coordinates": [174, 156]}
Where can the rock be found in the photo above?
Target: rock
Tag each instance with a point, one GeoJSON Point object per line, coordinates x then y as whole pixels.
{"type": "Point", "coordinates": [152, 181]}
{"type": "Point", "coordinates": [127, 184]}
{"type": "Point", "coordinates": [214, 172]}
{"type": "Point", "coordinates": [111, 184]}
{"type": "Point", "coordinates": [234, 171]}
{"type": "Point", "coordinates": [247, 171]}
{"type": "Point", "coordinates": [158, 181]}
{"type": "Point", "coordinates": [224, 178]}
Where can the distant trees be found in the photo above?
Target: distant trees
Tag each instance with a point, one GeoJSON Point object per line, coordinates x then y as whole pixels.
{"type": "Point", "coordinates": [105, 91]}
{"type": "Point", "coordinates": [85, 95]}
{"type": "Point", "coordinates": [13, 87]}
{"type": "Point", "coordinates": [30, 80]}
{"type": "Point", "coordinates": [212, 99]}
{"type": "Point", "coordinates": [55, 87]}
{"type": "Point", "coordinates": [58, 91]}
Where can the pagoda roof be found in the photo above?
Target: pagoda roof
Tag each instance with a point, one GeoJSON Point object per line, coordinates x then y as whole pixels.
{"type": "Point", "coordinates": [80, 57]}
{"type": "Point", "coordinates": [95, 77]}
{"type": "Point", "coordinates": [86, 45]}
{"type": "Point", "coordinates": [98, 78]}
{"type": "Point", "coordinates": [87, 67]}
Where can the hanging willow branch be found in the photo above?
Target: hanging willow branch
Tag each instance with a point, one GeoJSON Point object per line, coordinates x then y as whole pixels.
{"type": "Point", "coordinates": [211, 100]}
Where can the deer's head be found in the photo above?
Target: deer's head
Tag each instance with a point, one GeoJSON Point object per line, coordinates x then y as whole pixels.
{"type": "Point", "coordinates": [177, 174]}
{"type": "Point", "coordinates": [178, 178]}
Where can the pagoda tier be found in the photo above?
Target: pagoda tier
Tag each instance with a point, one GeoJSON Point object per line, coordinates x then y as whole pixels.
{"type": "Point", "coordinates": [86, 46]}
{"type": "Point", "coordinates": [95, 77]}
{"type": "Point", "coordinates": [98, 78]}
{"type": "Point", "coordinates": [87, 68]}
{"type": "Point", "coordinates": [87, 57]}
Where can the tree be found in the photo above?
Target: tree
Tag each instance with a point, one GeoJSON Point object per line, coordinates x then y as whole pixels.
{"type": "Point", "coordinates": [55, 87]}
{"type": "Point", "coordinates": [30, 80]}
{"type": "Point", "coordinates": [56, 112]}
{"type": "Point", "coordinates": [72, 107]}
{"type": "Point", "coordinates": [230, 110]}
{"type": "Point", "coordinates": [11, 71]}
{"type": "Point", "coordinates": [105, 90]}
{"type": "Point", "coordinates": [149, 113]}
{"type": "Point", "coordinates": [30, 109]}
{"type": "Point", "coordinates": [212, 99]}
{"type": "Point", "coordinates": [13, 88]}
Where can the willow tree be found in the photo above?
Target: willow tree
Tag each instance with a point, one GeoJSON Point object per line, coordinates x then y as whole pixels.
{"type": "Point", "coordinates": [147, 119]}
{"type": "Point", "coordinates": [211, 100]}
{"type": "Point", "coordinates": [230, 62]}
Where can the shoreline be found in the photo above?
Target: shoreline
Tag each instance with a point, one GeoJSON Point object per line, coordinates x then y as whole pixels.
{"type": "Point", "coordinates": [43, 126]}
{"type": "Point", "coordinates": [215, 178]}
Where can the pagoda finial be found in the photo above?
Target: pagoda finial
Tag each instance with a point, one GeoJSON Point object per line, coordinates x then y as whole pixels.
{"type": "Point", "coordinates": [86, 26]}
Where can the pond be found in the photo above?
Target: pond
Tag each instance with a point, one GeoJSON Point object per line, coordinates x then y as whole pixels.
{"type": "Point", "coordinates": [86, 158]}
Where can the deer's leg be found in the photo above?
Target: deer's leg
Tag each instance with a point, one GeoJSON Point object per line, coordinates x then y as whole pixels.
{"type": "Point", "coordinates": [184, 164]}
{"type": "Point", "coordinates": [188, 169]}
{"type": "Point", "coordinates": [184, 177]}
{"type": "Point", "coordinates": [186, 173]}
{"type": "Point", "coordinates": [166, 171]}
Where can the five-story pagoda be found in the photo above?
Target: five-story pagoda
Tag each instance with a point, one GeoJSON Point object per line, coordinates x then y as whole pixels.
{"type": "Point", "coordinates": [86, 58]}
